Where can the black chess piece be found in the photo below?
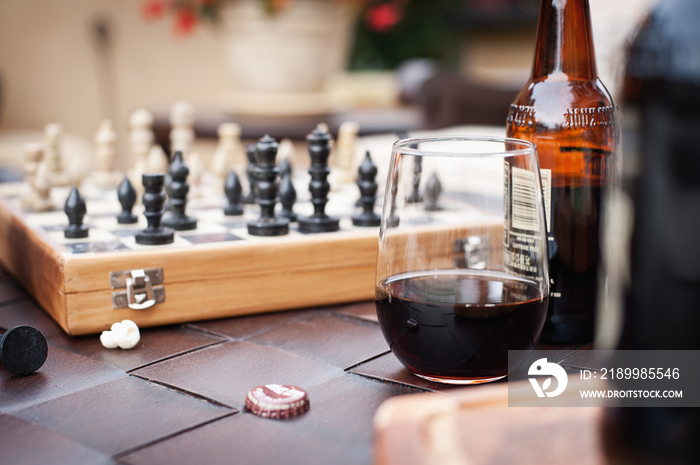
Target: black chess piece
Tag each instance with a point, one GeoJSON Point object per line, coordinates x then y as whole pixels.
{"type": "Point", "coordinates": [127, 198]}
{"type": "Point", "coordinates": [179, 188]}
{"type": "Point", "coordinates": [367, 182]}
{"type": "Point", "coordinates": [233, 191]}
{"type": "Point", "coordinates": [433, 189]}
{"type": "Point", "coordinates": [266, 188]}
{"type": "Point", "coordinates": [251, 197]}
{"type": "Point", "coordinates": [415, 195]}
{"type": "Point", "coordinates": [319, 150]}
{"type": "Point", "coordinates": [153, 202]}
{"type": "Point", "coordinates": [75, 209]}
{"type": "Point", "coordinates": [288, 195]}
{"type": "Point", "coordinates": [23, 349]}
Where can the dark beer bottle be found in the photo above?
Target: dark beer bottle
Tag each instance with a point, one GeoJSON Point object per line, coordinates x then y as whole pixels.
{"type": "Point", "coordinates": [567, 111]}
{"type": "Point", "coordinates": [661, 182]}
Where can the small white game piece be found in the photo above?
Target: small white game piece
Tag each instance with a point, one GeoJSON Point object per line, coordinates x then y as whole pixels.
{"type": "Point", "coordinates": [42, 189]}
{"type": "Point", "coordinates": [197, 169]}
{"type": "Point", "coordinates": [181, 127]}
{"type": "Point", "coordinates": [285, 151]}
{"type": "Point", "coordinates": [157, 161]}
{"type": "Point", "coordinates": [141, 139]}
{"type": "Point", "coordinates": [33, 154]}
{"type": "Point", "coordinates": [229, 151]}
{"type": "Point", "coordinates": [52, 152]}
{"type": "Point", "coordinates": [105, 151]}
{"type": "Point", "coordinates": [140, 133]}
{"type": "Point", "coordinates": [124, 335]}
{"type": "Point", "coordinates": [343, 157]}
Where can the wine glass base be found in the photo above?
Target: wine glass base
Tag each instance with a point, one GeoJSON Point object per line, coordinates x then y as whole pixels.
{"type": "Point", "coordinates": [460, 381]}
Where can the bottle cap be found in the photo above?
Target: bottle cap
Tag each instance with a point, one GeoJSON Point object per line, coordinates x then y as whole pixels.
{"type": "Point", "coordinates": [277, 401]}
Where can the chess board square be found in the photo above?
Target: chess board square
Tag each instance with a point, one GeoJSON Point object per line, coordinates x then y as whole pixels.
{"type": "Point", "coordinates": [179, 241]}
{"type": "Point", "coordinates": [211, 238]}
{"type": "Point", "coordinates": [109, 222]}
{"type": "Point", "coordinates": [96, 247]}
{"type": "Point", "coordinates": [94, 235]}
{"type": "Point", "coordinates": [204, 227]}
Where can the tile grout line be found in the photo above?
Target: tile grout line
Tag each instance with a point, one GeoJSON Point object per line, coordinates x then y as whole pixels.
{"type": "Point", "coordinates": [374, 357]}
{"type": "Point", "coordinates": [127, 452]}
{"type": "Point", "coordinates": [185, 392]}
{"type": "Point", "coordinates": [179, 354]}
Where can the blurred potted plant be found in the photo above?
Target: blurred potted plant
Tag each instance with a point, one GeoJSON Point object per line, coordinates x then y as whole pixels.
{"type": "Point", "coordinates": [281, 53]}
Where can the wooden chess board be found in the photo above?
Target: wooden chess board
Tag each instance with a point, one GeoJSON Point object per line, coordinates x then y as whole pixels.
{"type": "Point", "coordinates": [214, 271]}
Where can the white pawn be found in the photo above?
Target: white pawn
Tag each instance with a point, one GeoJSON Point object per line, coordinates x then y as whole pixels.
{"type": "Point", "coordinates": [227, 152]}
{"type": "Point", "coordinates": [42, 187]}
{"type": "Point", "coordinates": [157, 160]}
{"type": "Point", "coordinates": [33, 154]}
{"type": "Point", "coordinates": [52, 152]}
{"type": "Point", "coordinates": [285, 150]}
{"type": "Point", "coordinates": [196, 165]}
{"type": "Point", "coordinates": [181, 127]}
{"type": "Point", "coordinates": [343, 157]}
{"type": "Point", "coordinates": [141, 139]}
{"type": "Point", "coordinates": [105, 143]}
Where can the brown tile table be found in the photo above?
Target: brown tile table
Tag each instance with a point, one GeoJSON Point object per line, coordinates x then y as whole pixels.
{"type": "Point", "coordinates": [178, 397]}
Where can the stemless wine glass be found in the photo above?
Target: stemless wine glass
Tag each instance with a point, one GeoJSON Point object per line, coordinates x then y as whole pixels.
{"type": "Point", "coordinates": [462, 269]}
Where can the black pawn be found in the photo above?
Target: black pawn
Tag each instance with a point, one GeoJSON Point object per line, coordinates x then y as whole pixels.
{"type": "Point", "coordinates": [23, 349]}
{"type": "Point", "coordinates": [288, 196]}
{"type": "Point", "coordinates": [153, 202]}
{"type": "Point", "coordinates": [233, 191]}
{"type": "Point", "coordinates": [251, 197]}
{"type": "Point", "coordinates": [127, 198]}
{"type": "Point", "coordinates": [433, 189]}
{"type": "Point", "coordinates": [367, 182]}
{"type": "Point", "coordinates": [266, 188]}
{"type": "Point", "coordinates": [319, 150]}
{"type": "Point", "coordinates": [179, 188]}
{"type": "Point", "coordinates": [75, 209]}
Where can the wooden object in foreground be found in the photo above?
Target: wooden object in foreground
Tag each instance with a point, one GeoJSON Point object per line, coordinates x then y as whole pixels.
{"type": "Point", "coordinates": [475, 426]}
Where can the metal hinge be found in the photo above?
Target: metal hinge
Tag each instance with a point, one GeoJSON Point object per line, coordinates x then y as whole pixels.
{"type": "Point", "coordinates": [142, 288]}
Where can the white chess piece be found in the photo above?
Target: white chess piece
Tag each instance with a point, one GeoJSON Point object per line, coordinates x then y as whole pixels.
{"type": "Point", "coordinates": [33, 155]}
{"type": "Point", "coordinates": [157, 161]}
{"type": "Point", "coordinates": [181, 127]}
{"type": "Point", "coordinates": [105, 151]}
{"type": "Point", "coordinates": [228, 150]}
{"type": "Point", "coordinates": [141, 139]}
{"type": "Point", "coordinates": [343, 158]}
{"type": "Point", "coordinates": [197, 169]}
{"type": "Point", "coordinates": [52, 152]}
{"type": "Point", "coordinates": [285, 150]}
{"type": "Point", "coordinates": [75, 170]}
{"type": "Point", "coordinates": [42, 187]}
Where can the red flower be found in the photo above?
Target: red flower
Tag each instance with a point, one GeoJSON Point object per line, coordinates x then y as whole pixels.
{"type": "Point", "coordinates": [185, 21]}
{"type": "Point", "coordinates": [153, 9]}
{"type": "Point", "coordinates": [383, 18]}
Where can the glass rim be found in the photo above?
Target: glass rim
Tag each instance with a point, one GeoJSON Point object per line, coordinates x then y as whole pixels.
{"type": "Point", "coordinates": [403, 146]}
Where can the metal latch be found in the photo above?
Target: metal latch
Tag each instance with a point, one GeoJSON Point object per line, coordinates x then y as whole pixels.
{"type": "Point", "coordinates": [143, 288]}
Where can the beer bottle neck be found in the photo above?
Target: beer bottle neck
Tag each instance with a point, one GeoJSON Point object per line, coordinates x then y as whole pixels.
{"type": "Point", "coordinates": [564, 41]}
